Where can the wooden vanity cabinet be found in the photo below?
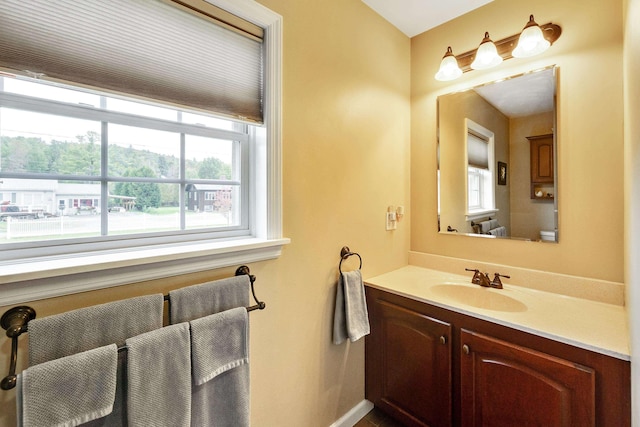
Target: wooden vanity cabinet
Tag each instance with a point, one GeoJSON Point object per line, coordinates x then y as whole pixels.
{"type": "Point", "coordinates": [502, 384]}
{"type": "Point", "coordinates": [409, 372]}
{"type": "Point", "coordinates": [429, 366]}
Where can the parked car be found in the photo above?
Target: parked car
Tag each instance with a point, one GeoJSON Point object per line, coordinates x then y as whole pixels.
{"type": "Point", "coordinates": [8, 210]}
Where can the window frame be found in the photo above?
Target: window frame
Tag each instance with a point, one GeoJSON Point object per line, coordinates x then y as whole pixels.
{"type": "Point", "coordinates": [106, 118]}
{"type": "Point", "coordinates": [486, 177]}
{"type": "Point", "coordinates": [40, 276]}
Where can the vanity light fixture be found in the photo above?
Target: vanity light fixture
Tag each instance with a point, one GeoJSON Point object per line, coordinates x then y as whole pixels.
{"type": "Point", "coordinates": [522, 45]}
{"type": "Point", "coordinates": [486, 55]}
{"type": "Point", "coordinates": [449, 69]}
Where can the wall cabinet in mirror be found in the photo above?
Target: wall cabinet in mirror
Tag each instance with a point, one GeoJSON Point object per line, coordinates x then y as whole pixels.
{"type": "Point", "coordinates": [542, 175]}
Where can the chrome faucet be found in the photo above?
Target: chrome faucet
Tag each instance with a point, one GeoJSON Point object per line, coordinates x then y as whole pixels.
{"type": "Point", "coordinates": [483, 280]}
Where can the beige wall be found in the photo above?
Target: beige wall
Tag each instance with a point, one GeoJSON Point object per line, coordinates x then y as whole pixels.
{"type": "Point", "coordinates": [590, 133]}
{"type": "Point", "coordinates": [528, 216]}
{"type": "Point", "coordinates": [346, 131]}
{"type": "Point", "coordinates": [454, 109]}
{"type": "Point", "coordinates": [632, 191]}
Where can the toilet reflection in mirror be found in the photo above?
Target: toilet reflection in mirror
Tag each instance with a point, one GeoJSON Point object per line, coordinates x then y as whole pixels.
{"type": "Point", "coordinates": [510, 123]}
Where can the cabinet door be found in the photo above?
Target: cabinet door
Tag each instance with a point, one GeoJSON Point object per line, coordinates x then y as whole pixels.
{"type": "Point", "coordinates": [542, 159]}
{"type": "Point", "coordinates": [411, 365]}
{"type": "Point", "coordinates": [507, 385]}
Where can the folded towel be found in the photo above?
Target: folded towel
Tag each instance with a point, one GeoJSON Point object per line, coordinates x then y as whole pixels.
{"type": "Point", "coordinates": [79, 330]}
{"type": "Point", "coordinates": [220, 369]}
{"type": "Point", "coordinates": [351, 318]}
{"type": "Point", "coordinates": [159, 377]}
{"type": "Point", "coordinates": [68, 391]}
{"type": "Point", "coordinates": [486, 226]}
{"type": "Point", "coordinates": [118, 417]}
{"type": "Point", "coordinates": [499, 231]}
{"type": "Point", "coordinates": [223, 401]}
{"type": "Point", "coordinates": [193, 302]}
{"type": "Point", "coordinates": [219, 342]}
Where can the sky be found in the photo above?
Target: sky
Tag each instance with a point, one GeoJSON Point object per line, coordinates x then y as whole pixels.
{"type": "Point", "coordinates": [51, 127]}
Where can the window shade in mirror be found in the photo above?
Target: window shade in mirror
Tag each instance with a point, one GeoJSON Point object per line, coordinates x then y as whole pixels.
{"type": "Point", "coordinates": [152, 49]}
{"type": "Point", "coordinates": [477, 152]}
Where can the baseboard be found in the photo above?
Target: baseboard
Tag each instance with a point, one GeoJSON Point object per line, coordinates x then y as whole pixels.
{"type": "Point", "coordinates": [354, 415]}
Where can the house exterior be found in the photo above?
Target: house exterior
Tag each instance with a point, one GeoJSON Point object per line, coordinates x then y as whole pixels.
{"type": "Point", "coordinates": [209, 198]}
{"type": "Point", "coordinates": [50, 197]}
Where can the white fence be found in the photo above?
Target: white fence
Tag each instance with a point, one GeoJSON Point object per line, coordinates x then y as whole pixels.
{"type": "Point", "coordinates": [119, 223]}
{"type": "Point", "coordinates": [17, 228]}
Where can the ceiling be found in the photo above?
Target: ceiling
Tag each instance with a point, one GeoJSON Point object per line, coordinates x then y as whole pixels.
{"type": "Point", "coordinates": [529, 94]}
{"type": "Point", "coordinates": [413, 17]}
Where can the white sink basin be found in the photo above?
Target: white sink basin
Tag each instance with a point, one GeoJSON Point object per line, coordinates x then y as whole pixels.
{"type": "Point", "coordinates": [479, 297]}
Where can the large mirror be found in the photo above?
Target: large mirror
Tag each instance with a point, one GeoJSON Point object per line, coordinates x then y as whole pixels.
{"type": "Point", "coordinates": [497, 163]}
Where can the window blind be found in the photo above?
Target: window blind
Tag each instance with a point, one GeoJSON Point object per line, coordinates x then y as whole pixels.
{"type": "Point", "coordinates": [151, 49]}
{"type": "Point", "coordinates": [477, 152]}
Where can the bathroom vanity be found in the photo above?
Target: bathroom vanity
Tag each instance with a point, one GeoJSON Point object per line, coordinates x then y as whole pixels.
{"type": "Point", "coordinates": [445, 352]}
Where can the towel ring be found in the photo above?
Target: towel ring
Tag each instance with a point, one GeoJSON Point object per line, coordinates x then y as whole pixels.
{"type": "Point", "coordinates": [345, 253]}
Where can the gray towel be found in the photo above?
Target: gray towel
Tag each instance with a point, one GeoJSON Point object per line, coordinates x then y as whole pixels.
{"type": "Point", "coordinates": [219, 343]}
{"type": "Point", "coordinates": [351, 318]}
{"type": "Point", "coordinates": [68, 391]}
{"type": "Point", "coordinates": [193, 302]}
{"type": "Point", "coordinates": [490, 224]}
{"type": "Point", "coordinates": [159, 378]}
{"type": "Point", "coordinates": [118, 417]}
{"type": "Point", "coordinates": [87, 328]}
{"type": "Point", "coordinates": [220, 369]}
{"type": "Point", "coordinates": [498, 231]}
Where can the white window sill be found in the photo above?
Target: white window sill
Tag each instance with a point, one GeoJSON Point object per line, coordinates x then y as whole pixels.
{"type": "Point", "coordinates": [46, 277]}
{"type": "Point", "coordinates": [471, 216]}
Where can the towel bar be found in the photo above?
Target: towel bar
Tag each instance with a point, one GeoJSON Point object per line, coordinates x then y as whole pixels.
{"type": "Point", "coordinates": [477, 223]}
{"type": "Point", "coordinates": [15, 321]}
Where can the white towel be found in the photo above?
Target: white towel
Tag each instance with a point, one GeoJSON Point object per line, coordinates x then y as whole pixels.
{"type": "Point", "coordinates": [159, 378]}
{"type": "Point", "coordinates": [193, 302]}
{"type": "Point", "coordinates": [68, 391]}
{"type": "Point", "coordinates": [351, 318]}
{"type": "Point", "coordinates": [220, 369]}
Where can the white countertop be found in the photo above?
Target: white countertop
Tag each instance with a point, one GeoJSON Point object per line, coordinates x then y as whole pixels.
{"type": "Point", "coordinates": [583, 323]}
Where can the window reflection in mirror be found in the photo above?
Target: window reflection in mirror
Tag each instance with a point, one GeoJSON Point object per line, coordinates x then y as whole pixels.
{"type": "Point", "coordinates": [498, 124]}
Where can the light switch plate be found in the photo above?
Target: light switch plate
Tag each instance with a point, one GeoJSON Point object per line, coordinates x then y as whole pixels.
{"type": "Point", "coordinates": [391, 221]}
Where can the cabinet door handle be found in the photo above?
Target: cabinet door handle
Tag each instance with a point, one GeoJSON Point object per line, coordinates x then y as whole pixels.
{"type": "Point", "coordinates": [465, 349]}
{"type": "Point", "coordinates": [443, 339]}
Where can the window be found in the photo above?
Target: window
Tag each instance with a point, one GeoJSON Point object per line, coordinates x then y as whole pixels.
{"type": "Point", "coordinates": [124, 174]}
{"type": "Point", "coordinates": [480, 181]}
{"type": "Point", "coordinates": [93, 178]}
